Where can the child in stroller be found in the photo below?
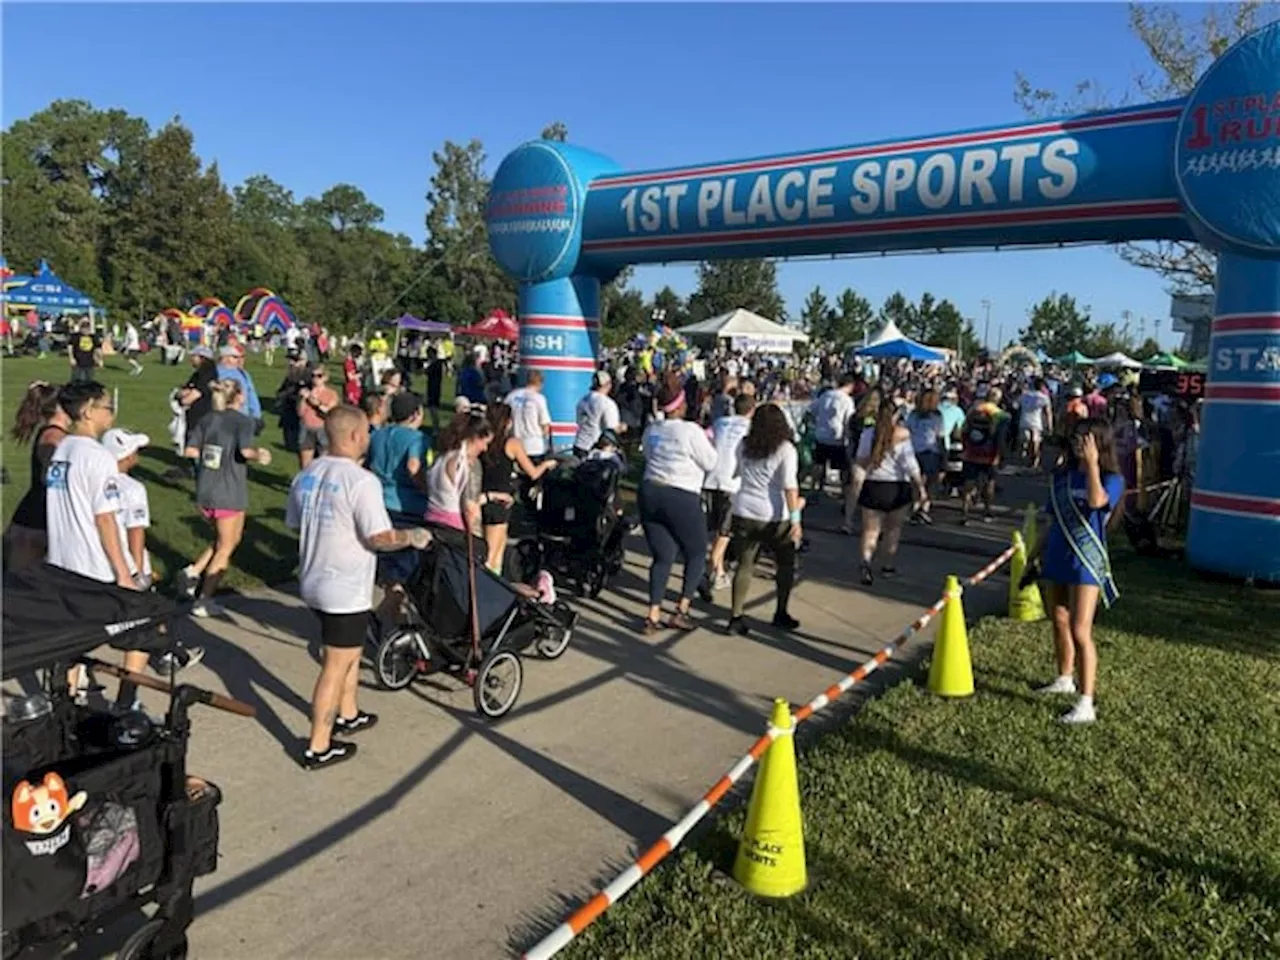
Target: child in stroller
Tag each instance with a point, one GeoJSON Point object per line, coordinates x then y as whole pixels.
{"type": "Point", "coordinates": [477, 634]}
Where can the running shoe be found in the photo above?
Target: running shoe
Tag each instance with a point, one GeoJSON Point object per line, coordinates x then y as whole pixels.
{"type": "Point", "coordinates": [785, 621]}
{"type": "Point", "coordinates": [888, 572]}
{"type": "Point", "coordinates": [361, 721]}
{"type": "Point", "coordinates": [1059, 685]}
{"type": "Point", "coordinates": [207, 608]}
{"type": "Point", "coordinates": [336, 752]}
{"type": "Point", "coordinates": [186, 583]}
{"type": "Point", "coordinates": [738, 626]}
{"type": "Point", "coordinates": [868, 578]}
{"type": "Point", "coordinates": [723, 581]}
{"type": "Point", "coordinates": [172, 661]}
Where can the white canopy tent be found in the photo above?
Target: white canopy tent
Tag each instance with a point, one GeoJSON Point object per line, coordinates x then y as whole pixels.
{"type": "Point", "coordinates": [746, 331]}
{"type": "Point", "coordinates": [1117, 361]}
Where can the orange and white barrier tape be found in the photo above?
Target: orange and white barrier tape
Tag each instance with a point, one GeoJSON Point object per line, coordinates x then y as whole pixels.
{"type": "Point", "coordinates": [585, 915]}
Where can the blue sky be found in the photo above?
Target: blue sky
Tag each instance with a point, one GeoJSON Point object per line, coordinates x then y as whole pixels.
{"type": "Point", "coordinates": [316, 95]}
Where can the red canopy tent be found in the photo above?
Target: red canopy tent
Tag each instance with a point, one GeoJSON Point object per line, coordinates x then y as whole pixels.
{"type": "Point", "coordinates": [498, 325]}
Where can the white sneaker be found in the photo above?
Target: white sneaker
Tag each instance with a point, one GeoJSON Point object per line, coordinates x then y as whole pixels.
{"type": "Point", "coordinates": [207, 608]}
{"type": "Point", "coordinates": [1060, 685]}
{"type": "Point", "coordinates": [1080, 713]}
{"type": "Point", "coordinates": [723, 581]}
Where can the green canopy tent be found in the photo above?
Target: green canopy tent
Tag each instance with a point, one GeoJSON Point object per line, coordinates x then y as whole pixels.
{"type": "Point", "coordinates": [1166, 360]}
{"type": "Point", "coordinates": [1074, 359]}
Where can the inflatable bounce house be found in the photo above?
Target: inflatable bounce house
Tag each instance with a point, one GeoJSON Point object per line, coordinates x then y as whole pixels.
{"type": "Point", "coordinates": [214, 313]}
{"type": "Point", "coordinates": [192, 325]}
{"type": "Point", "coordinates": [261, 306]}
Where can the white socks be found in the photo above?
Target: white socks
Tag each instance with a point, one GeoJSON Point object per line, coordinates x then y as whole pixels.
{"type": "Point", "coordinates": [1082, 712]}
{"type": "Point", "coordinates": [1063, 684]}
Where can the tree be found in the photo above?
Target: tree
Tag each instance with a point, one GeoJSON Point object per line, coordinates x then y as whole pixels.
{"type": "Point", "coordinates": [725, 285]}
{"type": "Point", "coordinates": [1150, 347]}
{"type": "Point", "coordinates": [854, 318]}
{"type": "Point", "coordinates": [1057, 326]}
{"type": "Point", "coordinates": [898, 310]}
{"type": "Point", "coordinates": [1104, 339]}
{"type": "Point", "coordinates": [556, 131]}
{"type": "Point", "coordinates": [817, 318]}
{"type": "Point", "coordinates": [1180, 50]}
{"type": "Point", "coordinates": [457, 238]}
{"type": "Point", "coordinates": [670, 307]}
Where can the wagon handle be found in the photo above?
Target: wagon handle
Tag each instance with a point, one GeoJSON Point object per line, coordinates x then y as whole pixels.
{"type": "Point", "coordinates": [204, 696]}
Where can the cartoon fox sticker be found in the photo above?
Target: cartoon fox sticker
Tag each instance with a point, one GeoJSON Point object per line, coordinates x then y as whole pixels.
{"type": "Point", "coordinates": [43, 809]}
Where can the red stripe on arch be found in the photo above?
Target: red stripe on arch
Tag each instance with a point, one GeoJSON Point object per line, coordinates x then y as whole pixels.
{"type": "Point", "coordinates": [1247, 323]}
{"type": "Point", "coordinates": [1260, 506]}
{"type": "Point", "coordinates": [553, 322]}
{"type": "Point", "coordinates": [1258, 394]}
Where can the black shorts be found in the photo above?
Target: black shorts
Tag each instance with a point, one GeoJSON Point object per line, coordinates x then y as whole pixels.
{"type": "Point", "coordinates": [979, 473]}
{"type": "Point", "coordinates": [884, 496]}
{"type": "Point", "coordinates": [343, 631]}
{"type": "Point", "coordinates": [719, 512]}
{"type": "Point", "coordinates": [310, 439]}
{"type": "Point", "coordinates": [495, 514]}
{"type": "Point", "coordinates": [833, 455]}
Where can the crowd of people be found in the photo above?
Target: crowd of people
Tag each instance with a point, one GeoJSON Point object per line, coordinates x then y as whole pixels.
{"type": "Point", "coordinates": [733, 448]}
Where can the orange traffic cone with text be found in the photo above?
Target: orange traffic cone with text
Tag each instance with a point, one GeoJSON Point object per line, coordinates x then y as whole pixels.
{"type": "Point", "coordinates": [950, 671]}
{"type": "Point", "coordinates": [770, 859]}
{"type": "Point", "coordinates": [1025, 603]}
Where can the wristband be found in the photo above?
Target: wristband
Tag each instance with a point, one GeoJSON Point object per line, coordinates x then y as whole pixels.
{"type": "Point", "coordinates": [795, 516]}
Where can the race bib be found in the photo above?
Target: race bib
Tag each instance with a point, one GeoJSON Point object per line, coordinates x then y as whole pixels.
{"type": "Point", "coordinates": [211, 456]}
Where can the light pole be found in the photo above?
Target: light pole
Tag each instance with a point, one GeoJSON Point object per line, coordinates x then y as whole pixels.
{"type": "Point", "coordinates": [986, 326]}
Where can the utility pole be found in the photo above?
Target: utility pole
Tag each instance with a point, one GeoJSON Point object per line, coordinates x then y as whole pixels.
{"type": "Point", "coordinates": [986, 326]}
{"type": "Point", "coordinates": [1124, 331]}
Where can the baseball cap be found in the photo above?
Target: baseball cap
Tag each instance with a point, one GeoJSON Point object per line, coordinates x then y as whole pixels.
{"type": "Point", "coordinates": [120, 443]}
{"type": "Point", "coordinates": [461, 405]}
{"type": "Point", "coordinates": [1075, 392]}
{"type": "Point", "coordinates": [202, 351]}
{"type": "Point", "coordinates": [404, 406]}
{"type": "Point", "coordinates": [230, 351]}
{"type": "Point", "coordinates": [602, 378]}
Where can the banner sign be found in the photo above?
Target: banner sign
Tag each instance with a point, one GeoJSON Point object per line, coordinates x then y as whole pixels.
{"type": "Point", "coordinates": [1098, 177]}
{"type": "Point", "coordinates": [762, 344]}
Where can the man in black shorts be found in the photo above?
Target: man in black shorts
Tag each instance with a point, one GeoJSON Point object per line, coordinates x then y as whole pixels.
{"type": "Point", "coordinates": [832, 413]}
{"type": "Point", "coordinates": [85, 353]}
{"type": "Point", "coordinates": [336, 506]}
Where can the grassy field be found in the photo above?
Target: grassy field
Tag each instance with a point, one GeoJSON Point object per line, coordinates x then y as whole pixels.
{"type": "Point", "coordinates": [982, 828]}
{"type": "Point", "coordinates": [269, 552]}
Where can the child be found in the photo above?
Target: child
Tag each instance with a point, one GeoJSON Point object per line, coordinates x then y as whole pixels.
{"type": "Point", "coordinates": [133, 519]}
{"type": "Point", "coordinates": [608, 448]}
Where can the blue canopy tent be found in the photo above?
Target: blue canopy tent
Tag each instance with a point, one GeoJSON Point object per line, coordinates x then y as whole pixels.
{"type": "Point", "coordinates": [47, 293]}
{"type": "Point", "coordinates": [892, 344]}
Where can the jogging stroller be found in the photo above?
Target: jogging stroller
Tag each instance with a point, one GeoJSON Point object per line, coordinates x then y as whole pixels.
{"type": "Point", "coordinates": [477, 635]}
{"type": "Point", "coordinates": [580, 525]}
{"type": "Point", "coordinates": [100, 816]}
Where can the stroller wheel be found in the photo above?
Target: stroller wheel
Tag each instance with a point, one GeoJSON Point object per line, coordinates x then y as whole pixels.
{"type": "Point", "coordinates": [138, 946]}
{"type": "Point", "coordinates": [497, 684]}
{"type": "Point", "coordinates": [553, 643]}
{"type": "Point", "coordinates": [396, 663]}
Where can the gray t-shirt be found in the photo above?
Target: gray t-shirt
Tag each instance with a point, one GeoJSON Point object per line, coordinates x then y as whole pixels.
{"type": "Point", "coordinates": [223, 483]}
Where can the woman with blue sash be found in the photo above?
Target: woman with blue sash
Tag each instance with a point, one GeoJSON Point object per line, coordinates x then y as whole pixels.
{"type": "Point", "coordinates": [1073, 560]}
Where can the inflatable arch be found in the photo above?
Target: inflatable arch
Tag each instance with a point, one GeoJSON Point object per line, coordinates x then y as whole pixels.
{"type": "Point", "coordinates": [563, 219]}
{"type": "Point", "coordinates": [1027, 357]}
{"type": "Point", "coordinates": [213, 311]}
{"type": "Point", "coordinates": [262, 306]}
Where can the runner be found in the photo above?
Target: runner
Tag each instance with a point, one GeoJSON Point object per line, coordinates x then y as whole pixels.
{"type": "Point", "coordinates": [766, 513]}
{"type": "Point", "coordinates": [893, 473]}
{"type": "Point", "coordinates": [596, 412]}
{"type": "Point", "coordinates": [831, 415]}
{"type": "Point", "coordinates": [504, 459]}
{"type": "Point", "coordinates": [84, 352]}
{"type": "Point", "coordinates": [397, 456]}
{"type": "Point", "coordinates": [723, 482]}
{"type": "Point", "coordinates": [41, 422]}
{"type": "Point", "coordinates": [983, 438]}
{"type": "Point", "coordinates": [316, 399]}
{"type": "Point", "coordinates": [926, 425]}
{"type": "Point", "coordinates": [1035, 419]}
{"type": "Point", "coordinates": [223, 443]}
{"type": "Point", "coordinates": [336, 507]}
{"type": "Point", "coordinates": [132, 347]}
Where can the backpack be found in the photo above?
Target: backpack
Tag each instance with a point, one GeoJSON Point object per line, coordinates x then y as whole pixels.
{"type": "Point", "coordinates": [979, 435]}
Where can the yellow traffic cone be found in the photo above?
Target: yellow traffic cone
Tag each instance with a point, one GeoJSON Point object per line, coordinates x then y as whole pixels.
{"type": "Point", "coordinates": [950, 671]}
{"type": "Point", "coordinates": [771, 855]}
{"type": "Point", "coordinates": [1029, 532]}
{"type": "Point", "coordinates": [1025, 604]}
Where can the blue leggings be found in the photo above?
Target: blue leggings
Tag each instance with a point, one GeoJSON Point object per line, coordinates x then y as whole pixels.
{"type": "Point", "coordinates": [673, 524]}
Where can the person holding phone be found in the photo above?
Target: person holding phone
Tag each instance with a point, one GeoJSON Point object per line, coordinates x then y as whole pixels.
{"type": "Point", "coordinates": [1072, 558]}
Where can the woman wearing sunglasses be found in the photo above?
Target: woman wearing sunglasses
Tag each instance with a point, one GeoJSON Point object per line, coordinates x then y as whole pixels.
{"type": "Point", "coordinates": [315, 401]}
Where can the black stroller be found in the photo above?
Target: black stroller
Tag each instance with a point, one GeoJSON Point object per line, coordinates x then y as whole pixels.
{"type": "Point", "coordinates": [580, 525]}
{"type": "Point", "coordinates": [101, 818]}
{"type": "Point", "coordinates": [477, 635]}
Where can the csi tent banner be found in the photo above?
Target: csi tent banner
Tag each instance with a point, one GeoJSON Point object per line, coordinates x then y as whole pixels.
{"type": "Point", "coordinates": [745, 325]}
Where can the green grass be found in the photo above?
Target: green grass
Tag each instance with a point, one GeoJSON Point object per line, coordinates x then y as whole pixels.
{"type": "Point", "coordinates": [982, 828]}
{"type": "Point", "coordinates": [269, 551]}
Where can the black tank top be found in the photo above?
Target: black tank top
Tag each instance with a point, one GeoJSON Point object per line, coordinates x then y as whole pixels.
{"type": "Point", "coordinates": [498, 472]}
{"type": "Point", "coordinates": [31, 512]}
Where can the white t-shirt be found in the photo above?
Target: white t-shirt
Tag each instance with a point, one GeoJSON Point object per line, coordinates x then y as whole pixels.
{"type": "Point", "coordinates": [131, 338]}
{"type": "Point", "coordinates": [727, 434]}
{"type": "Point", "coordinates": [135, 511]}
{"type": "Point", "coordinates": [763, 495]}
{"type": "Point", "coordinates": [530, 417]}
{"type": "Point", "coordinates": [1032, 406]}
{"type": "Point", "coordinates": [595, 414]}
{"type": "Point", "coordinates": [677, 454]}
{"type": "Point", "coordinates": [831, 415]}
{"type": "Point", "coordinates": [336, 505]}
{"type": "Point", "coordinates": [899, 464]}
{"type": "Point", "coordinates": [83, 483]}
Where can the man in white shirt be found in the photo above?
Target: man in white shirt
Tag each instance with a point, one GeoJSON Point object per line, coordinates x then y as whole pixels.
{"type": "Point", "coordinates": [82, 497]}
{"type": "Point", "coordinates": [531, 417]}
{"type": "Point", "coordinates": [1035, 418]}
{"type": "Point", "coordinates": [831, 415]}
{"type": "Point", "coordinates": [596, 413]}
{"type": "Point", "coordinates": [132, 347]}
{"type": "Point", "coordinates": [336, 506]}
{"type": "Point", "coordinates": [723, 482]}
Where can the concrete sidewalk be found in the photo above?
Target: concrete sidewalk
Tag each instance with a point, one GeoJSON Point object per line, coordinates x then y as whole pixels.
{"type": "Point", "coordinates": [456, 838]}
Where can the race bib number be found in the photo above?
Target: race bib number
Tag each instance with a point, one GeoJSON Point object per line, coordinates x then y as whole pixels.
{"type": "Point", "coordinates": [211, 457]}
